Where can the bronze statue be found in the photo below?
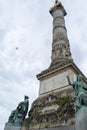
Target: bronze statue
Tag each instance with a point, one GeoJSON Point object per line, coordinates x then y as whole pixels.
{"type": "Point", "coordinates": [17, 116]}
{"type": "Point", "coordinates": [80, 90]}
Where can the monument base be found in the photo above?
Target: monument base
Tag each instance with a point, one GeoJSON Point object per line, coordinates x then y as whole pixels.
{"type": "Point", "coordinates": [81, 120]}
{"type": "Point", "coordinates": [53, 110]}
{"type": "Point", "coordinates": [7, 127]}
{"type": "Point", "coordinates": [65, 127]}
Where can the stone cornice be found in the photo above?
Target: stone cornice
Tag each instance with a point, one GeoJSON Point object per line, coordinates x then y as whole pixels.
{"type": "Point", "coordinates": [55, 69]}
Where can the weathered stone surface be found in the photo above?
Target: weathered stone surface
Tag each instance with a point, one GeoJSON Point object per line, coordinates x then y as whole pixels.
{"type": "Point", "coordinates": [55, 109]}
{"type": "Point", "coordinates": [56, 81]}
{"type": "Point", "coordinates": [69, 127]}
{"type": "Point", "coordinates": [25, 128]}
{"type": "Point", "coordinates": [60, 45]}
{"type": "Point", "coordinates": [12, 128]}
{"type": "Point", "coordinates": [25, 125]}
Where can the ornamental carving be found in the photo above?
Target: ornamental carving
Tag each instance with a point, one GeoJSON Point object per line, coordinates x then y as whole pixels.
{"type": "Point", "coordinates": [52, 108]}
{"type": "Point", "coordinates": [61, 51]}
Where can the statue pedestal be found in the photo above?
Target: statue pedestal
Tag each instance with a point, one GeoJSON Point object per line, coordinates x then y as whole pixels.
{"type": "Point", "coordinates": [7, 127]}
{"type": "Point", "coordinates": [66, 127]}
{"type": "Point", "coordinates": [81, 120]}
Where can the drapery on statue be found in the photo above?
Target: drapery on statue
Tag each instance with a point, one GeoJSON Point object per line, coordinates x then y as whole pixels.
{"type": "Point", "coordinates": [17, 116]}
{"type": "Point", "coordinates": [80, 90]}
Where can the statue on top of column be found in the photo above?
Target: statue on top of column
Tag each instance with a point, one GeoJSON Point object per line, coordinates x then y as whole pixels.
{"type": "Point", "coordinates": [56, 1]}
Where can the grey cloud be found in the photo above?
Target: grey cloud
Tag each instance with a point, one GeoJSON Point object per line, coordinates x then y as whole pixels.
{"type": "Point", "coordinates": [28, 25]}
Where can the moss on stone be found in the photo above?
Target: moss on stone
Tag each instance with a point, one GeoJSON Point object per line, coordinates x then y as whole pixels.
{"type": "Point", "coordinates": [63, 101]}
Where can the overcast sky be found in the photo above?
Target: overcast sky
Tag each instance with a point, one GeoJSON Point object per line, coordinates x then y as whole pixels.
{"type": "Point", "coordinates": [27, 25]}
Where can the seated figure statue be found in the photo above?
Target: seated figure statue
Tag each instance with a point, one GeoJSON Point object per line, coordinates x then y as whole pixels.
{"type": "Point", "coordinates": [17, 116]}
{"type": "Point", "coordinates": [80, 90]}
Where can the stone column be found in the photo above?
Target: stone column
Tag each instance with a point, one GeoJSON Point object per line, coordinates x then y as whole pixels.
{"type": "Point", "coordinates": [60, 44]}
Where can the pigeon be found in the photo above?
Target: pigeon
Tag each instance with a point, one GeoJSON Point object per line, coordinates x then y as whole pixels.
{"type": "Point", "coordinates": [17, 48]}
